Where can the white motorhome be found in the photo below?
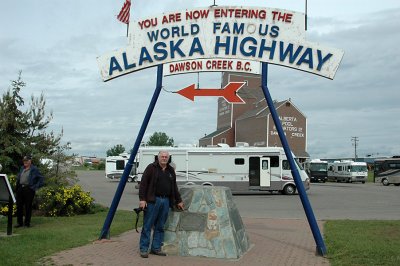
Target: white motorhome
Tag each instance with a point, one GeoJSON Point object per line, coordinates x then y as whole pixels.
{"type": "Point", "coordinates": [243, 169]}
{"type": "Point", "coordinates": [115, 166]}
{"type": "Point", "coordinates": [348, 171]}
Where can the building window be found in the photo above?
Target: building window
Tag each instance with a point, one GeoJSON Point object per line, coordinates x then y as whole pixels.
{"type": "Point", "coordinates": [274, 161]}
{"type": "Point", "coordinates": [285, 165]}
{"type": "Point", "coordinates": [120, 165]}
{"type": "Point", "coordinates": [223, 140]}
{"type": "Point", "coordinates": [239, 161]}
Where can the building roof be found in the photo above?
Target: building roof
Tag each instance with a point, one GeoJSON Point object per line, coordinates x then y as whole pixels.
{"type": "Point", "coordinates": [301, 154]}
{"type": "Point", "coordinates": [259, 109]}
{"type": "Point", "coordinates": [216, 133]}
{"type": "Point", "coordinates": [250, 93]}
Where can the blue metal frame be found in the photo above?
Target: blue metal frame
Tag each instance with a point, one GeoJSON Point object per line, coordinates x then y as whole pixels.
{"type": "Point", "coordinates": [105, 232]}
{"type": "Point", "coordinates": [321, 249]}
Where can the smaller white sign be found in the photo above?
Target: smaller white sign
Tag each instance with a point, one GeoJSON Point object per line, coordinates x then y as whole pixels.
{"type": "Point", "coordinates": [212, 65]}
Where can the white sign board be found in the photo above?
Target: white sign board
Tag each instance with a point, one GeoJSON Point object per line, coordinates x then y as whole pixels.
{"type": "Point", "coordinates": [258, 34]}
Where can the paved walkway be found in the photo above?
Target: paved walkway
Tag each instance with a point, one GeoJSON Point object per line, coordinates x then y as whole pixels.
{"type": "Point", "coordinates": [273, 242]}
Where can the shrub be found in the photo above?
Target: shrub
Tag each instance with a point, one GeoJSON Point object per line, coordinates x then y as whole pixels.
{"type": "Point", "coordinates": [101, 166]}
{"type": "Point", "coordinates": [64, 201]}
{"type": "Point", "coordinates": [4, 209]}
{"type": "Point", "coordinates": [12, 179]}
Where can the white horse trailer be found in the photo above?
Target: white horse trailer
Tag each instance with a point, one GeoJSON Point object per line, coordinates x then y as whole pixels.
{"type": "Point", "coordinates": [243, 169]}
{"type": "Point", "coordinates": [115, 166]}
{"type": "Point", "coordinates": [348, 171]}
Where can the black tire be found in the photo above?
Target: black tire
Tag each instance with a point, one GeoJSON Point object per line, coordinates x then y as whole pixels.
{"type": "Point", "coordinates": [363, 182]}
{"type": "Point", "coordinates": [289, 190]}
{"type": "Point", "coordinates": [397, 185]}
{"type": "Point", "coordinates": [385, 182]}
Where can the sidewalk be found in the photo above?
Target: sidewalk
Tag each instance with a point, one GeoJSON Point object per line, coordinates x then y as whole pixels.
{"type": "Point", "coordinates": [273, 242]}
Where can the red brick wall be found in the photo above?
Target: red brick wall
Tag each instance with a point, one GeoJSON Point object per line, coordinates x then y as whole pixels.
{"type": "Point", "coordinates": [294, 126]}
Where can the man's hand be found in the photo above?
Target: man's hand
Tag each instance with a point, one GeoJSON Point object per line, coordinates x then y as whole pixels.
{"type": "Point", "coordinates": [142, 204]}
{"type": "Point", "coordinates": [181, 206]}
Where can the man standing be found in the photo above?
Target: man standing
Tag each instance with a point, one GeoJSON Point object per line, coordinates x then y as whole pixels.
{"type": "Point", "coordinates": [158, 192]}
{"type": "Point", "coordinates": [29, 180]}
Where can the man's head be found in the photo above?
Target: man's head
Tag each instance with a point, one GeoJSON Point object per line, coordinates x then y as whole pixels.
{"type": "Point", "coordinates": [163, 158]}
{"type": "Point", "coordinates": [27, 161]}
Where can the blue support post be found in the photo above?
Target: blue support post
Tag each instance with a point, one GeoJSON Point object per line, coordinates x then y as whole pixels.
{"type": "Point", "coordinates": [105, 232]}
{"type": "Point", "coordinates": [321, 249]}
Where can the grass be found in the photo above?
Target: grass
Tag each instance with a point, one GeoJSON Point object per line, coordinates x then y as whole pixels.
{"type": "Point", "coordinates": [49, 235]}
{"type": "Point", "coordinates": [371, 176]}
{"type": "Point", "coordinates": [351, 242]}
{"type": "Point", "coordinates": [348, 242]}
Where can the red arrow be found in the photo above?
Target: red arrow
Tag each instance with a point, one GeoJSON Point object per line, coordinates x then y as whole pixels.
{"type": "Point", "coordinates": [229, 92]}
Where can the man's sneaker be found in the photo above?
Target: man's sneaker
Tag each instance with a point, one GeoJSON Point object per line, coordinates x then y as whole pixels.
{"type": "Point", "coordinates": [158, 253]}
{"type": "Point", "coordinates": [144, 254]}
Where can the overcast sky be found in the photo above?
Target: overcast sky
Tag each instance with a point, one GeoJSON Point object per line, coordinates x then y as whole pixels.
{"type": "Point", "coordinates": [55, 43]}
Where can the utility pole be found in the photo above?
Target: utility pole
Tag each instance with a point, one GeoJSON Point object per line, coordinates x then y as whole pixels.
{"type": "Point", "coordinates": [355, 140]}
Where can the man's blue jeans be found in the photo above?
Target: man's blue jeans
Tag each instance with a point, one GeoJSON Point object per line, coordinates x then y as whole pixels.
{"type": "Point", "coordinates": [155, 217]}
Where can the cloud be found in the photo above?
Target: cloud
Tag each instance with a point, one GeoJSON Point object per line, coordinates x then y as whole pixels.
{"type": "Point", "coordinates": [57, 53]}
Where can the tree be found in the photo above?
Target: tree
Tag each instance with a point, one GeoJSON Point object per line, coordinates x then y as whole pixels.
{"type": "Point", "coordinates": [23, 130]}
{"type": "Point", "coordinates": [160, 139]}
{"type": "Point", "coordinates": [57, 167]}
{"type": "Point", "coordinates": [116, 150]}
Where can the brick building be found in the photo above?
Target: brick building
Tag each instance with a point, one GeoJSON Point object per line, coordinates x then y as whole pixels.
{"type": "Point", "coordinates": [252, 122]}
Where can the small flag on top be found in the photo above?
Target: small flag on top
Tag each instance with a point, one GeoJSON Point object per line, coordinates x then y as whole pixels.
{"type": "Point", "coordinates": [123, 15]}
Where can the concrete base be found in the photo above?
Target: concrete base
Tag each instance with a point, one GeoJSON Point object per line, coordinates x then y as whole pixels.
{"type": "Point", "coordinates": [210, 226]}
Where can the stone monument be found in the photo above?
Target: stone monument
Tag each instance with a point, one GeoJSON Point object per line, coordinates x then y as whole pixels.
{"type": "Point", "coordinates": [210, 226]}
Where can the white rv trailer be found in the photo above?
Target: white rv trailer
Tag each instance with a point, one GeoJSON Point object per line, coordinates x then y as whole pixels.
{"type": "Point", "coordinates": [348, 171]}
{"type": "Point", "coordinates": [243, 169]}
{"type": "Point", "coordinates": [115, 166]}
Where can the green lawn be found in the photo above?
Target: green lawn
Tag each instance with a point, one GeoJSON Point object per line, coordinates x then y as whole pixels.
{"type": "Point", "coordinates": [363, 242]}
{"type": "Point", "coordinates": [49, 235]}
